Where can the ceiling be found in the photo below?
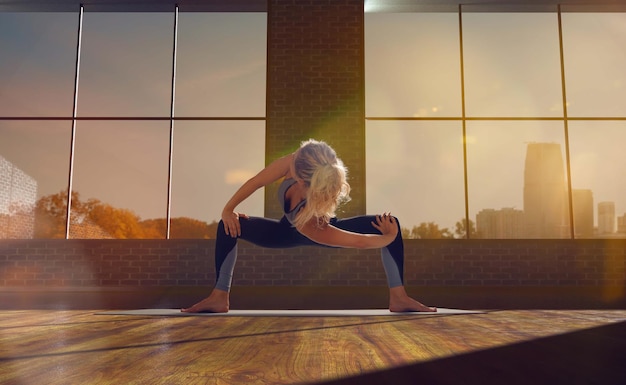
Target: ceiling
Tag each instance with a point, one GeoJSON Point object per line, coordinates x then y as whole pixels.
{"type": "Point", "coordinates": [369, 5]}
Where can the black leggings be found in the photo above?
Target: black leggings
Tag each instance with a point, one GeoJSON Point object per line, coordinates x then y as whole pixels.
{"type": "Point", "coordinates": [272, 233]}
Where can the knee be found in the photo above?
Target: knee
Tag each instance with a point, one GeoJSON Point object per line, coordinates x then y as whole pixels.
{"type": "Point", "coordinates": [220, 229]}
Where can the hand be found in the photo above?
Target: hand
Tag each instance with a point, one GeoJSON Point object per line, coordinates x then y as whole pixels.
{"type": "Point", "coordinates": [386, 224]}
{"type": "Point", "coordinates": [232, 226]}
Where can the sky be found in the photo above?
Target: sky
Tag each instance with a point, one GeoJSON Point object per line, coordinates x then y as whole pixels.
{"type": "Point", "coordinates": [412, 64]}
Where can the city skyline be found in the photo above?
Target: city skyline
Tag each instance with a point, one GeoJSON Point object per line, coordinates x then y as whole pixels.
{"type": "Point", "coordinates": [546, 204]}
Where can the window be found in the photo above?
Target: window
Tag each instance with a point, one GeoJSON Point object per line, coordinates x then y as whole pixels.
{"type": "Point", "coordinates": [37, 77]}
{"type": "Point", "coordinates": [518, 128]}
{"type": "Point", "coordinates": [221, 66]}
{"type": "Point", "coordinates": [517, 180]}
{"type": "Point", "coordinates": [597, 161]}
{"type": "Point", "coordinates": [37, 63]}
{"type": "Point", "coordinates": [414, 168]}
{"type": "Point", "coordinates": [220, 73]}
{"type": "Point", "coordinates": [34, 162]}
{"type": "Point", "coordinates": [596, 89]}
{"type": "Point", "coordinates": [415, 171]}
{"type": "Point", "coordinates": [412, 65]}
{"type": "Point", "coordinates": [129, 124]}
{"type": "Point", "coordinates": [593, 45]}
{"type": "Point", "coordinates": [209, 165]}
{"type": "Point", "coordinates": [512, 65]}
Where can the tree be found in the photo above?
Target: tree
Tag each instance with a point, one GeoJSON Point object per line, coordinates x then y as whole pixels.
{"type": "Point", "coordinates": [120, 223]}
{"type": "Point", "coordinates": [51, 215]}
{"type": "Point", "coordinates": [428, 230]}
{"type": "Point", "coordinates": [192, 228]}
{"type": "Point", "coordinates": [461, 229]}
{"type": "Point", "coordinates": [96, 219]}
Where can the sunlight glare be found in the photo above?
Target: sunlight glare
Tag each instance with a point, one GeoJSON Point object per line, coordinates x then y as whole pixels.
{"type": "Point", "coordinates": [238, 176]}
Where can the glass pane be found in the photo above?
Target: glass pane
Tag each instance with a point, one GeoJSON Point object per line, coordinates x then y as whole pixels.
{"type": "Point", "coordinates": [221, 67]}
{"type": "Point", "coordinates": [415, 171]}
{"type": "Point", "coordinates": [412, 65]}
{"type": "Point", "coordinates": [126, 64]}
{"type": "Point", "coordinates": [120, 179]}
{"type": "Point", "coordinates": [597, 164]}
{"type": "Point", "coordinates": [211, 161]}
{"type": "Point", "coordinates": [37, 61]}
{"type": "Point", "coordinates": [512, 65]}
{"type": "Point", "coordinates": [517, 181]}
{"type": "Point", "coordinates": [34, 169]}
{"type": "Point", "coordinates": [594, 56]}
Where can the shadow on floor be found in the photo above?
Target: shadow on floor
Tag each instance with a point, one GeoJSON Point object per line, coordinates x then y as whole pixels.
{"type": "Point", "coordinates": [591, 356]}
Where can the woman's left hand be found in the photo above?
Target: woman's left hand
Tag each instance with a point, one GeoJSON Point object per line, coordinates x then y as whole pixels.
{"type": "Point", "coordinates": [386, 224]}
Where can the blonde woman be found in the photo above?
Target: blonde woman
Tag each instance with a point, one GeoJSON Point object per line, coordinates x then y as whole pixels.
{"type": "Point", "coordinates": [313, 185]}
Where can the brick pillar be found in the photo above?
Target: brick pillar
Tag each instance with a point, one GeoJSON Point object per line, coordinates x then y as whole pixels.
{"type": "Point", "coordinates": [316, 86]}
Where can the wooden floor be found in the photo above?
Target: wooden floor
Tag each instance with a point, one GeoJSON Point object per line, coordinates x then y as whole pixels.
{"type": "Point", "coordinates": [494, 347]}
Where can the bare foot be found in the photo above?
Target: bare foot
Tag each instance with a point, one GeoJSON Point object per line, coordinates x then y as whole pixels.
{"type": "Point", "coordinates": [216, 302]}
{"type": "Point", "coordinates": [399, 301]}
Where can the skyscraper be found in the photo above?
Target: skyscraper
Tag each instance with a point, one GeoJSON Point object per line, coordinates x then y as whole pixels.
{"type": "Point", "coordinates": [621, 224]}
{"type": "Point", "coordinates": [606, 217]}
{"type": "Point", "coordinates": [545, 192]}
{"type": "Point", "coordinates": [583, 213]}
{"type": "Point", "coordinates": [507, 223]}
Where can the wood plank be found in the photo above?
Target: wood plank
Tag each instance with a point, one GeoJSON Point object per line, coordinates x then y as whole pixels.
{"type": "Point", "coordinates": [60, 347]}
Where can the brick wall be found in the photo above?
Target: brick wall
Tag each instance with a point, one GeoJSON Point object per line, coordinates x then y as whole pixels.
{"type": "Point", "coordinates": [315, 85]}
{"type": "Point", "coordinates": [469, 263]}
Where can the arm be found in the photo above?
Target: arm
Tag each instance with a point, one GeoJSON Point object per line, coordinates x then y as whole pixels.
{"type": "Point", "coordinates": [274, 171]}
{"type": "Point", "coordinates": [333, 236]}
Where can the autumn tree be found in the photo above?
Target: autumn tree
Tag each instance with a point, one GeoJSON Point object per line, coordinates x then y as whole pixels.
{"type": "Point", "coordinates": [192, 228]}
{"type": "Point", "coordinates": [461, 229]}
{"type": "Point", "coordinates": [427, 230]}
{"type": "Point", "coordinates": [120, 223]}
{"type": "Point", "coordinates": [51, 217]}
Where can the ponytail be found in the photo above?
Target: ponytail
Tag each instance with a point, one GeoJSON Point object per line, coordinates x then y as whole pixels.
{"type": "Point", "coordinates": [327, 182]}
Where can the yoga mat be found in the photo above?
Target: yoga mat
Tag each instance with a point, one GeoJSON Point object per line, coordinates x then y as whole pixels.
{"type": "Point", "coordinates": [286, 313]}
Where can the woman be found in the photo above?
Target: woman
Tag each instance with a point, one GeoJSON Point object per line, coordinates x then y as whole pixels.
{"type": "Point", "coordinates": [313, 185]}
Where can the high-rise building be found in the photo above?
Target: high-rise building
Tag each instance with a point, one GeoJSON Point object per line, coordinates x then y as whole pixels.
{"type": "Point", "coordinates": [606, 218]}
{"type": "Point", "coordinates": [545, 192]}
{"type": "Point", "coordinates": [507, 223]}
{"type": "Point", "coordinates": [583, 213]}
{"type": "Point", "coordinates": [621, 224]}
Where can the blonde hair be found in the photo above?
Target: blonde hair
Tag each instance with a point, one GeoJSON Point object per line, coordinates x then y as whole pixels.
{"type": "Point", "coordinates": [325, 175]}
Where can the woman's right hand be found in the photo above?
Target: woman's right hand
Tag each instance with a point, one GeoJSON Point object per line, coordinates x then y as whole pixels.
{"type": "Point", "coordinates": [232, 226]}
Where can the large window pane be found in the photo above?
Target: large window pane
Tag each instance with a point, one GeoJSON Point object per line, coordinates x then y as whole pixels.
{"type": "Point", "coordinates": [34, 163]}
{"type": "Point", "coordinates": [512, 65]}
{"type": "Point", "coordinates": [120, 178]}
{"type": "Point", "coordinates": [597, 163]}
{"type": "Point", "coordinates": [126, 64]}
{"type": "Point", "coordinates": [595, 59]}
{"type": "Point", "coordinates": [211, 161]}
{"type": "Point", "coordinates": [37, 61]}
{"type": "Point", "coordinates": [412, 65]}
{"type": "Point", "coordinates": [415, 170]}
{"type": "Point", "coordinates": [517, 180]}
{"type": "Point", "coordinates": [221, 66]}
